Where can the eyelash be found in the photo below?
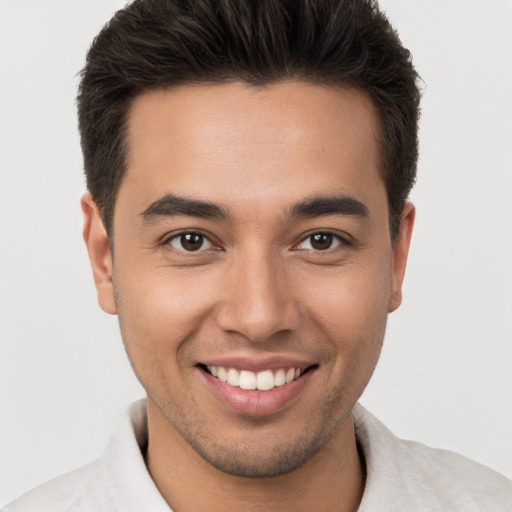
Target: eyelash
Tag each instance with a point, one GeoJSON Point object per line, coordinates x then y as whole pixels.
{"type": "Point", "coordinates": [341, 241]}
{"type": "Point", "coordinates": [178, 236]}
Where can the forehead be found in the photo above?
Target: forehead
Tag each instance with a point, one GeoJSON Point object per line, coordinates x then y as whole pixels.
{"type": "Point", "coordinates": [267, 143]}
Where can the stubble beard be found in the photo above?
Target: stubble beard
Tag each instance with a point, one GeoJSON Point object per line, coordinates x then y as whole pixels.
{"type": "Point", "coordinates": [246, 459]}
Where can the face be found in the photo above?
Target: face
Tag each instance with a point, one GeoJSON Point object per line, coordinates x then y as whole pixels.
{"type": "Point", "coordinates": [253, 269]}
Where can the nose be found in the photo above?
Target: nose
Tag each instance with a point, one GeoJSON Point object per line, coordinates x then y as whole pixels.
{"type": "Point", "coordinates": [257, 298]}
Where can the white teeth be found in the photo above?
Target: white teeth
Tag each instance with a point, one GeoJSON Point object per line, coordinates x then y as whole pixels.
{"type": "Point", "coordinates": [233, 377]}
{"type": "Point", "coordinates": [279, 378]}
{"type": "Point", "coordinates": [222, 374]}
{"type": "Point", "coordinates": [265, 380]}
{"type": "Point", "coordinates": [246, 379]}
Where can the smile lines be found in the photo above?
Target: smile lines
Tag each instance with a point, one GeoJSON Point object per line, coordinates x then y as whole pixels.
{"type": "Point", "coordinates": [262, 381]}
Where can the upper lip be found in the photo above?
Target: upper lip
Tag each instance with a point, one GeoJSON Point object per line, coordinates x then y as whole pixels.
{"type": "Point", "coordinates": [258, 364]}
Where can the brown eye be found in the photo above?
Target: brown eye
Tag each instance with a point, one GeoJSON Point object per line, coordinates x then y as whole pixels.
{"type": "Point", "coordinates": [190, 242]}
{"type": "Point", "coordinates": [320, 242]}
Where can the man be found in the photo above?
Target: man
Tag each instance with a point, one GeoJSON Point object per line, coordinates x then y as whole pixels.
{"type": "Point", "coordinates": [248, 166]}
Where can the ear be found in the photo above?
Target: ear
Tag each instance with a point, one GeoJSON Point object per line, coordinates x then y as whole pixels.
{"type": "Point", "coordinates": [98, 247]}
{"type": "Point", "coordinates": [400, 253]}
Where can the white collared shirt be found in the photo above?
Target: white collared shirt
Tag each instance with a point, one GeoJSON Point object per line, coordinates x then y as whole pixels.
{"type": "Point", "coordinates": [401, 476]}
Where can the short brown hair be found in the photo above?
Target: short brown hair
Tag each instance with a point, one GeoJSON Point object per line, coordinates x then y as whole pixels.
{"type": "Point", "coordinates": [156, 44]}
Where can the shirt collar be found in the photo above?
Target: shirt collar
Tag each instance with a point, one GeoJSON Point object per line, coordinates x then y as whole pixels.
{"type": "Point", "coordinates": [127, 478]}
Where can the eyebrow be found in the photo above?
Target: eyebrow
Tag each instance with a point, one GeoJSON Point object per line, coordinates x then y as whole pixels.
{"type": "Point", "coordinates": [171, 206]}
{"type": "Point", "coordinates": [327, 205]}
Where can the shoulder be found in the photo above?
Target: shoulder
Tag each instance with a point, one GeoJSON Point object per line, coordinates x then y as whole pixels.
{"type": "Point", "coordinates": [81, 490]}
{"type": "Point", "coordinates": [118, 481]}
{"type": "Point", "coordinates": [456, 480]}
{"type": "Point", "coordinates": [424, 478]}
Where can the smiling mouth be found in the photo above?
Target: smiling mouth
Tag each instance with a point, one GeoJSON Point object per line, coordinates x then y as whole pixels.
{"type": "Point", "coordinates": [263, 380]}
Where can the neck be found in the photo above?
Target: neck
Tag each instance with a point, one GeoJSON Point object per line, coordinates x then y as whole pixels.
{"type": "Point", "coordinates": [333, 479]}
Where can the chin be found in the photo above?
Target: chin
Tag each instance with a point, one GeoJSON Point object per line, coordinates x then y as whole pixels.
{"type": "Point", "coordinates": [261, 451]}
{"type": "Point", "coordinates": [251, 461]}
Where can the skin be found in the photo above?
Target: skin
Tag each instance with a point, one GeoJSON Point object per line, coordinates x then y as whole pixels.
{"type": "Point", "coordinates": [256, 288]}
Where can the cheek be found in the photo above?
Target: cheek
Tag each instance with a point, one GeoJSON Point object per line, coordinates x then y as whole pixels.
{"type": "Point", "coordinates": [158, 311]}
{"type": "Point", "coordinates": [157, 317]}
{"type": "Point", "coordinates": [351, 299]}
{"type": "Point", "coordinates": [351, 309]}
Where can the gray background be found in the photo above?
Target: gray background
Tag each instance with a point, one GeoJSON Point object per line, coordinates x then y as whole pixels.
{"type": "Point", "coordinates": [445, 374]}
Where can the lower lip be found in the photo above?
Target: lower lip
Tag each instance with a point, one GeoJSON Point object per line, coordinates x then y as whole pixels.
{"type": "Point", "coordinates": [256, 402]}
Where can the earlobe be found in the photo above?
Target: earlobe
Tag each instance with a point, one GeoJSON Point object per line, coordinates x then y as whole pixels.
{"type": "Point", "coordinates": [400, 254]}
{"type": "Point", "coordinates": [98, 247]}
